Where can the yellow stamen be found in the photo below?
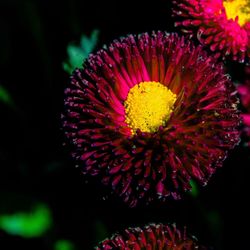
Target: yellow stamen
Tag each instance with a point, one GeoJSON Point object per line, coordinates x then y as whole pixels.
{"type": "Point", "coordinates": [148, 106]}
{"type": "Point", "coordinates": [240, 8]}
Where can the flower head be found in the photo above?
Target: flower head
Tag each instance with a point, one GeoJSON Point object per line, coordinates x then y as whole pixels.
{"type": "Point", "coordinates": [223, 25]}
{"type": "Point", "coordinates": [153, 236]}
{"type": "Point", "coordinates": [149, 113]}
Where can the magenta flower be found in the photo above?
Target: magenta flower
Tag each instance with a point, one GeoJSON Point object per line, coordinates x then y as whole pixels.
{"type": "Point", "coordinates": [222, 25]}
{"type": "Point", "coordinates": [153, 236]}
{"type": "Point", "coordinates": [244, 91]}
{"type": "Point", "coordinates": [150, 113]}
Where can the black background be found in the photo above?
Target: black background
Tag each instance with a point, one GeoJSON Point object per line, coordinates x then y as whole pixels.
{"type": "Point", "coordinates": [35, 167]}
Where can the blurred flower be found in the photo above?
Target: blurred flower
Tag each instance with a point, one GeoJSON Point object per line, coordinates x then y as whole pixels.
{"type": "Point", "coordinates": [149, 113]}
{"type": "Point", "coordinates": [244, 91]}
{"type": "Point", "coordinates": [153, 236]}
{"type": "Point", "coordinates": [224, 26]}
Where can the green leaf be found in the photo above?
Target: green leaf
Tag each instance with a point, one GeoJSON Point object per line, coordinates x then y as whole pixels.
{"type": "Point", "coordinates": [27, 225]}
{"type": "Point", "coordinates": [88, 44]}
{"type": "Point", "coordinates": [77, 54]}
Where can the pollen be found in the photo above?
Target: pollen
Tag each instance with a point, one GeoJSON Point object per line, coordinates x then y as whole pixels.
{"type": "Point", "coordinates": [148, 106]}
{"type": "Point", "coordinates": [238, 8]}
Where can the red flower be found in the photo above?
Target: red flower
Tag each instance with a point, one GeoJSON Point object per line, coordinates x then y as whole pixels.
{"type": "Point", "coordinates": [244, 91]}
{"type": "Point", "coordinates": [149, 113]}
{"type": "Point", "coordinates": [223, 25]}
{"type": "Point", "coordinates": [153, 236]}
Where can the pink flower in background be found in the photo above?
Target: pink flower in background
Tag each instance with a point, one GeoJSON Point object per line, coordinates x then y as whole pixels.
{"type": "Point", "coordinates": [153, 236]}
{"type": "Point", "coordinates": [148, 114]}
{"type": "Point", "coordinates": [223, 26]}
{"type": "Point", "coordinates": [244, 91]}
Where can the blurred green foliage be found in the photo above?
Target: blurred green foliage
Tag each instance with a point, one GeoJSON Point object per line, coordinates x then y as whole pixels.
{"type": "Point", "coordinates": [77, 54]}
{"type": "Point", "coordinates": [63, 245]}
{"type": "Point", "coordinates": [5, 96]}
{"type": "Point", "coordinates": [27, 224]}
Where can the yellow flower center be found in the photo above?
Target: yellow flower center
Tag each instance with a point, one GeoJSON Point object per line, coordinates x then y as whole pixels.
{"type": "Point", "coordinates": [148, 106]}
{"type": "Point", "coordinates": [240, 8]}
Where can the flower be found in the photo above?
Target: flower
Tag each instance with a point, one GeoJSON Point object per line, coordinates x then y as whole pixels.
{"type": "Point", "coordinates": [244, 91]}
{"type": "Point", "coordinates": [148, 113]}
{"type": "Point", "coordinates": [153, 236]}
{"type": "Point", "coordinates": [223, 25]}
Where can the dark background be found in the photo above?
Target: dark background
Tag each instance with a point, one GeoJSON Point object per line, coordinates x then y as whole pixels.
{"type": "Point", "coordinates": [35, 167]}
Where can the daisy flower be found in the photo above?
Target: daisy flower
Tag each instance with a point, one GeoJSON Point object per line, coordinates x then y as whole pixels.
{"type": "Point", "coordinates": [153, 236]}
{"type": "Point", "coordinates": [149, 113]}
{"type": "Point", "coordinates": [222, 25]}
